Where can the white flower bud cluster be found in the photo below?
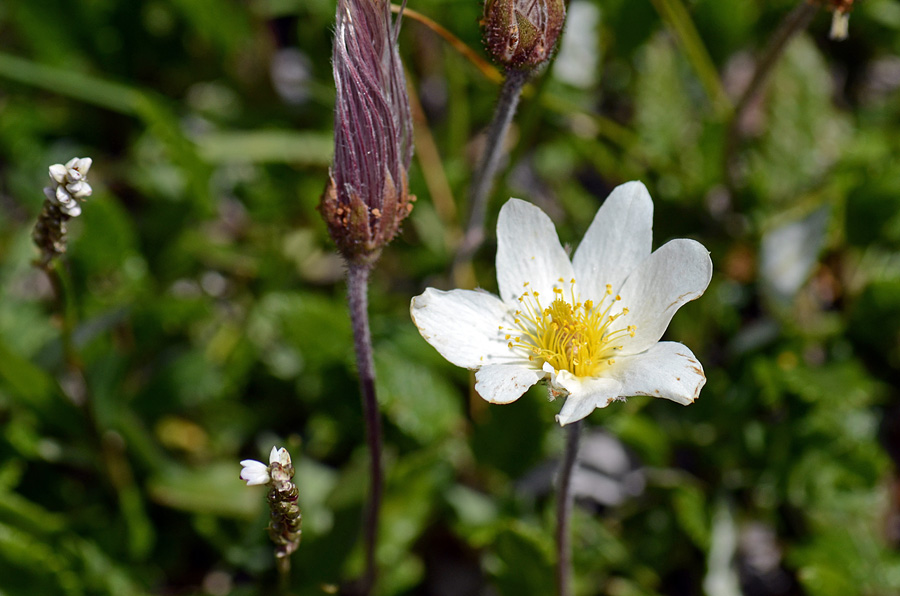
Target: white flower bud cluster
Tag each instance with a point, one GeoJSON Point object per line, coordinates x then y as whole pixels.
{"type": "Point", "coordinates": [69, 185]}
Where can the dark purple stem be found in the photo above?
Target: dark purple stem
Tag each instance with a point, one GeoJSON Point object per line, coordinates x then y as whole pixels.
{"type": "Point", "coordinates": [357, 296]}
{"type": "Point", "coordinates": [564, 501]}
{"type": "Point", "coordinates": [483, 181]}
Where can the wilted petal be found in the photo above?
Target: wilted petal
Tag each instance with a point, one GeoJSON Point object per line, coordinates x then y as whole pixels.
{"type": "Point", "coordinates": [528, 250]}
{"type": "Point", "coordinates": [505, 383]}
{"type": "Point", "coordinates": [463, 325]}
{"type": "Point", "coordinates": [668, 369]}
{"type": "Point", "coordinates": [617, 241]}
{"type": "Point", "coordinates": [675, 274]}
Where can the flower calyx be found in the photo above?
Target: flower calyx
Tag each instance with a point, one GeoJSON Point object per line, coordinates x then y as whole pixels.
{"type": "Point", "coordinates": [522, 33]}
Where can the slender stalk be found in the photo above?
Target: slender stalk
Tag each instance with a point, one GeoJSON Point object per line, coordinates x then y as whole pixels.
{"type": "Point", "coordinates": [284, 574]}
{"type": "Point", "coordinates": [483, 181]}
{"type": "Point", "coordinates": [564, 500]}
{"type": "Point", "coordinates": [62, 295]}
{"type": "Point", "coordinates": [357, 296]}
{"type": "Point", "coordinates": [792, 24]}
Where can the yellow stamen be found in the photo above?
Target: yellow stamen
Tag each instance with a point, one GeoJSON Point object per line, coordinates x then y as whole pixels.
{"type": "Point", "coordinates": [579, 337]}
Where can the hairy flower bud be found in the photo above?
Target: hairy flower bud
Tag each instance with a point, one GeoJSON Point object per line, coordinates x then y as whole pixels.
{"type": "Point", "coordinates": [367, 194]}
{"type": "Point", "coordinates": [522, 33]}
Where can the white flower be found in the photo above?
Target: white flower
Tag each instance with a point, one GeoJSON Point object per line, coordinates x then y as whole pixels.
{"type": "Point", "coordinates": [590, 326]}
{"type": "Point", "coordinates": [256, 472]}
{"type": "Point", "coordinates": [69, 185]}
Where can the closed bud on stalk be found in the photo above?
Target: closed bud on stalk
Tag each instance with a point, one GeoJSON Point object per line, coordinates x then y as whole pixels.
{"type": "Point", "coordinates": [522, 33]}
{"type": "Point", "coordinates": [367, 195]}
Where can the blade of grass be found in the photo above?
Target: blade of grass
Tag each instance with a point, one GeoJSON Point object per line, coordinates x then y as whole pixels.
{"type": "Point", "coordinates": [93, 90]}
{"type": "Point", "coordinates": [679, 20]}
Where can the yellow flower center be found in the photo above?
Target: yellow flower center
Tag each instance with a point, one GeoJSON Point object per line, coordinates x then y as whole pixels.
{"type": "Point", "coordinates": [580, 337]}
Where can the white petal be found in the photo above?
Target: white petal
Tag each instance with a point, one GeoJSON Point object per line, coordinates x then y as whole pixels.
{"type": "Point", "coordinates": [676, 273]}
{"type": "Point", "coordinates": [254, 472]}
{"type": "Point", "coordinates": [75, 187]}
{"type": "Point", "coordinates": [585, 395]}
{"type": "Point", "coordinates": [63, 197]}
{"type": "Point", "coordinates": [84, 165]}
{"type": "Point", "coordinates": [505, 383]}
{"type": "Point", "coordinates": [280, 456]}
{"type": "Point", "coordinates": [618, 240]}
{"type": "Point", "coordinates": [72, 209]}
{"type": "Point", "coordinates": [528, 250]}
{"type": "Point", "coordinates": [84, 190]}
{"type": "Point", "coordinates": [668, 370]}
{"type": "Point", "coordinates": [50, 193]}
{"type": "Point", "coordinates": [58, 173]}
{"type": "Point", "coordinates": [73, 175]}
{"type": "Point", "coordinates": [463, 325]}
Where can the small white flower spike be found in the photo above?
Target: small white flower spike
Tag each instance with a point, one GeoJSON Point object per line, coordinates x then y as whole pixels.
{"type": "Point", "coordinates": [255, 472]}
{"type": "Point", "coordinates": [589, 326]}
{"type": "Point", "coordinates": [69, 185]}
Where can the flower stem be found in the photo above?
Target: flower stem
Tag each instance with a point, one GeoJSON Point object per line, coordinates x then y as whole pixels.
{"type": "Point", "coordinates": [792, 24]}
{"type": "Point", "coordinates": [357, 296]}
{"type": "Point", "coordinates": [483, 181]}
{"type": "Point", "coordinates": [564, 501]}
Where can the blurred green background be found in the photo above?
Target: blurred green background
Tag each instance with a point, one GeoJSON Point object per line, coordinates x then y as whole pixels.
{"type": "Point", "coordinates": [210, 320]}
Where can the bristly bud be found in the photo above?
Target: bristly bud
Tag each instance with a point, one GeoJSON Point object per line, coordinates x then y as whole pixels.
{"type": "Point", "coordinates": [522, 33]}
{"type": "Point", "coordinates": [367, 194]}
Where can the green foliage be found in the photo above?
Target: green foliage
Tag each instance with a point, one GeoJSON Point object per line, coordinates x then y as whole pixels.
{"type": "Point", "coordinates": [205, 314]}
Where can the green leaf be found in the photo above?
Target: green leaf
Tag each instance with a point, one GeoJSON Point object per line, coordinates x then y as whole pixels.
{"type": "Point", "coordinates": [267, 146]}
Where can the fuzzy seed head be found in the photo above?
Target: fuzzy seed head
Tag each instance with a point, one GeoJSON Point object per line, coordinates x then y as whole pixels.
{"type": "Point", "coordinates": [367, 194]}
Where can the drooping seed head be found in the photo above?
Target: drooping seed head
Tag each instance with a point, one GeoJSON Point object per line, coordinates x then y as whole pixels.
{"type": "Point", "coordinates": [367, 195]}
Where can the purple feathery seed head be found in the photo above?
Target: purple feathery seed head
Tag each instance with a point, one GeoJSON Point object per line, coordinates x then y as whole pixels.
{"type": "Point", "coordinates": [367, 194]}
